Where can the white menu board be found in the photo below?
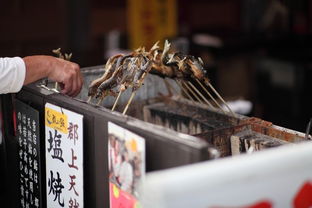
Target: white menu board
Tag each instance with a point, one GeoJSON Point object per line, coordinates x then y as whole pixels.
{"type": "Point", "coordinates": [64, 157]}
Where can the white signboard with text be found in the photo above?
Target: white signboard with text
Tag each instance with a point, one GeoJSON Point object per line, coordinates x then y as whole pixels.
{"type": "Point", "coordinates": [64, 157]}
{"type": "Point", "coordinates": [280, 177]}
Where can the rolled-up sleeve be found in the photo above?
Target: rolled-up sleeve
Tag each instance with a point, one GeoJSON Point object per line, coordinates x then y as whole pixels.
{"type": "Point", "coordinates": [12, 74]}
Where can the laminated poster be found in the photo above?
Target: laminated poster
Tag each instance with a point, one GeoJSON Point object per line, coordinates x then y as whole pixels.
{"type": "Point", "coordinates": [126, 160]}
{"type": "Point", "coordinates": [64, 157]}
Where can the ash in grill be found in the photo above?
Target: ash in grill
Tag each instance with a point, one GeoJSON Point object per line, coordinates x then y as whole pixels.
{"type": "Point", "coordinates": [185, 117]}
{"type": "Point", "coordinates": [250, 141]}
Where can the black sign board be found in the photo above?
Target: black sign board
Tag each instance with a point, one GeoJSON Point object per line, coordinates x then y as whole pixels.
{"type": "Point", "coordinates": [28, 137]}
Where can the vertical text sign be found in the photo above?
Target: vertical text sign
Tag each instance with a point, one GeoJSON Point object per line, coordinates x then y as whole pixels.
{"type": "Point", "coordinates": [27, 122]}
{"type": "Point", "coordinates": [64, 157]}
{"type": "Point", "coordinates": [151, 21]}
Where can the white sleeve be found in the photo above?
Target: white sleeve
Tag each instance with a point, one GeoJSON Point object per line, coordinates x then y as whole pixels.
{"type": "Point", "coordinates": [12, 74]}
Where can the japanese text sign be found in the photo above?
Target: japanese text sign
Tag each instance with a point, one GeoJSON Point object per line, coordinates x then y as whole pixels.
{"type": "Point", "coordinates": [64, 157]}
{"type": "Point", "coordinates": [279, 177]}
{"type": "Point", "coordinates": [27, 123]}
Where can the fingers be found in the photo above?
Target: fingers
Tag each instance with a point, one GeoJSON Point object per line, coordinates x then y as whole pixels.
{"type": "Point", "coordinates": [79, 84]}
{"type": "Point", "coordinates": [72, 80]}
{"type": "Point", "coordinates": [68, 85]}
{"type": "Point", "coordinates": [67, 74]}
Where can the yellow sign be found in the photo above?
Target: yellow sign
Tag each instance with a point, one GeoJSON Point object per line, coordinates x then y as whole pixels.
{"type": "Point", "coordinates": [56, 120]}
{"type": "Point", "coordinates": [150, 21]}
{"type": "Point", "coordinates": [115, 191]}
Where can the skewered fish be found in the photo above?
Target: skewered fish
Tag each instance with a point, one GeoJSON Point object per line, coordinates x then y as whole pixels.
{"type": "Point", "coordinates": [109, 70]}
{"type": "Point", "coordinates": [124, 71]}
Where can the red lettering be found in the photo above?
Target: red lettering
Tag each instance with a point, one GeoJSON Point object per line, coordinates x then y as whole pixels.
{"type": "Point", "coordinates": [261, 204]}
{"type": "Point", "coordinates": [303, 199]}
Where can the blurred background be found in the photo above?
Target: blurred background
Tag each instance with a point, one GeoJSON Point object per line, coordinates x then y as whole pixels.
{"type": "Point", "coordinates": [256, 50]}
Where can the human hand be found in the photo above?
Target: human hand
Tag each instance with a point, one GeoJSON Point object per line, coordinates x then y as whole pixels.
{"type": "Point", "coordinates": [68, 75]}
{"type": "Point", "coordinates": [64, 72]}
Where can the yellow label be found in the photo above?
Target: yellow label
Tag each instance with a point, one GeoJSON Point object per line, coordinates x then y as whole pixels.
{"type": "Point", "coordinates": [56, 120]}
{"type": "Point", "coordinates": [137, 205]}
{"type": "Point", "coordinates": [115, 191]}
{"type": "Point", "coordinates": [151, 21]}
{"type": "Point", "coordinates": [132, 145]}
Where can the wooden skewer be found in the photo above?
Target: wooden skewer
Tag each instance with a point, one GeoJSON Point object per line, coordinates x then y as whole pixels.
{"type": "Point", "coordinates": [185, 91]}
{"type": "Point", "coordinates": [115, 104]}
{"type": "Point", "coordinates": [100, 101]}
{"type": "Point", "coordinates": [133, 93]}
{"type": "Point", "coordinates": [201, 95]}
{"type": "Point", "coordinates": [209, 94]}
{"type": "Point", "coordinates": [129, 101]}
{"type": "Point", "coordinates": [192, 92]}
{"type": "Point", "coordinates": [219, 96]}
{"type": "Point", "coordinates": [101, 98]}
{"type": "Point", "coordinates": [56, 86]}
{"type": "Point", "coordinates": [45, 87]}
{"type": "Point", "coordinates": [89, 99]}
{"type": "Point", "coordinates": [170, 87]}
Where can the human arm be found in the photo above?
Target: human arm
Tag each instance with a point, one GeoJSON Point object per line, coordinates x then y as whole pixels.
{"type": "Point", "coordinates": [65, 72]}
{"type": "Point", "coordinates": [16, 72]}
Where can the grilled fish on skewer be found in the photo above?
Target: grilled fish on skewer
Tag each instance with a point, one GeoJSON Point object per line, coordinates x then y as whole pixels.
{"type": "Point", "coordinates": [111, 81]}
{"type": "Point", "coordinates": [127, 79]}
{"type": "Point", "coordinates": [140, 82]}
{"type": "Point", "coordinates": [159, 65]}
{"type": "Point", "coordinates": [119, 76]}
{"type": "Point", "coordinates": [139, 75]}
{"type": "Point", "coordinates": [109, 70]}
{"type": "Point", "coordinates": [108, 84]}
{"type": "Point", "coordinates": [197, 68]}
{"type": "Point", "coordinates": [154, 47]}
{"type": "Point", "coordinates": [128, 74]}
{"type": "Point", "coordinates": [164, 55]}
{"type": "Point", "coordinates": [129, 71]}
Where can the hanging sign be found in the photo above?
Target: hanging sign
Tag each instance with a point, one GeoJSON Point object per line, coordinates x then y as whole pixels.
{"type": "Point", "coordinates": [126, 159]}
{"type": "Point", "coordinates": [151, 21]}
{"type": "Point", "coordinates": [27, 132]}
{"type": "Point", "coordinates": [64, 157]}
